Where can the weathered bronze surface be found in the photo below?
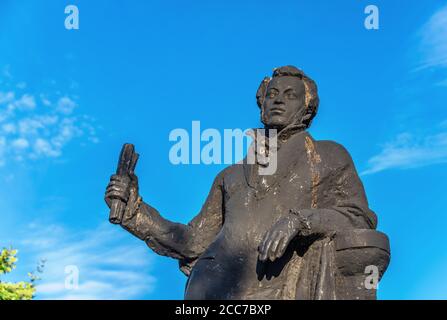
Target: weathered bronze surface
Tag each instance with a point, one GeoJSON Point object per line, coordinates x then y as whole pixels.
{"type": "Point", "coordinates": [305, 232]}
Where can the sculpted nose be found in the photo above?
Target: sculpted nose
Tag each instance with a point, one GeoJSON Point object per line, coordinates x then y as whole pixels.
{"type": "Point", "coordinates": [279, 99]}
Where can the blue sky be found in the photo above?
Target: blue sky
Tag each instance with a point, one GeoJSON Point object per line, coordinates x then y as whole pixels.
{"type": "Point", "coordinates": [135, 70]}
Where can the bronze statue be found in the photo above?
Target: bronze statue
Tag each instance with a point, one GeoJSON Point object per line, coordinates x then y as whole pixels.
{"type": "Point", "coordinates": [305, 232]}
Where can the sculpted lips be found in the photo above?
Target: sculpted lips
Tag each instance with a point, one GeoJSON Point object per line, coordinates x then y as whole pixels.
{"type": "Point", "coordinates": [277, 110]}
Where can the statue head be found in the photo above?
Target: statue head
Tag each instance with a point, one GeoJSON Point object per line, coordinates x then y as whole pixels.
{"type": "Point", "coordinates": [288, 98]}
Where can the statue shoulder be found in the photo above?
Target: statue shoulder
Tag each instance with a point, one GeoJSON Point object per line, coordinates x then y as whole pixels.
{"type": "Point", "coordinates": [232, 176]}
{"type": "Point", "coordinates": [333, 151]}
{"type": "Point", "coordinates": [226, 173]}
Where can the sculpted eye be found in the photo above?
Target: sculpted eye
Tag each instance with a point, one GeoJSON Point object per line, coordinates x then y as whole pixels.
{"type": "Point", "coordinates": [291, 96]}
{"type": "Point", "coordinates": [272, 94]}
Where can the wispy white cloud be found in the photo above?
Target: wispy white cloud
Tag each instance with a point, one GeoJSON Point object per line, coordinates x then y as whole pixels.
{"type": "Point", "coordinates": [108, 267]}
{"type": "Point", "coordinates": [433, 44]}
{"type": "Point", "coordinates": [25, 102]}
{"type": "Point", "coordinates": [6, 97]}
{"type": "Point", "coordinates": [33, 127]}
{"type": "Point", "coordinates": [410, 151]}
{"type": "Point", "coordinates": [66, 105]}
{"type": "Point", "coordinates": [20, 143]}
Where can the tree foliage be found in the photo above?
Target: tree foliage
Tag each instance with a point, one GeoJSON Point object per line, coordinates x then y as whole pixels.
{"type": "Point", "coordinates": [22, 290]}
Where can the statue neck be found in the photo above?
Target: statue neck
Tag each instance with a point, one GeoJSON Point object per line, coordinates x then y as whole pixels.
{"type": "Point", "coordinates": [285, 133]}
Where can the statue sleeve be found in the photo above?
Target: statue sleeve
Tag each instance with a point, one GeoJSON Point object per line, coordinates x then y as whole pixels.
{"type": "Point", "coordinates": [339, 201]}
{"type": "Point", "coordinates": [185, 242]}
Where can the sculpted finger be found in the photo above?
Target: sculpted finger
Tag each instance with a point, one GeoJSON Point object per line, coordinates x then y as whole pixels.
{"type": "Point", "coordinates": [273, 245]}
{"type": "Point", "coordinates": [117, 195]}
{"type": "Point", "coordinates": [278, 243]}
{"type": "Point", "coordinates": [263, 247]}
{"type": "Point", "coordinates": [115, 177]}
{"type": "Point", "coordinates": [113, 194]}
{"type": "Point", "coordinates": [118, 188]}
{"type": "Point", "coordinates": [118, 183]}
{"type": "Point", "coordinates": [268, 244]}
{"type": "Point", "coordinates": [120, 179]}
{"type": "Point", "coordinates": [113, 187]}
{"type": "Point", "coordinates": [282, 245]}
{"type": "Point", "coordinates": [262, 243]}
{"type": "Point", "coordinates": [263, 255]}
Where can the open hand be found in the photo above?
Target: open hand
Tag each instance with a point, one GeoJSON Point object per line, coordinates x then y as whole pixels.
{"type": "Point", "coordinates": [277, 239]}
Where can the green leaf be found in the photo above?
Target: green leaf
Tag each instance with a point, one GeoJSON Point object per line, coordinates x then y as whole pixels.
{"type": "Point", "coordinates": [14, 291]}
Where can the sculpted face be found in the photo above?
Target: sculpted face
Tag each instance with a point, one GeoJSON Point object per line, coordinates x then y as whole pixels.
{"type": "Point", "coordinates": [284, 100]}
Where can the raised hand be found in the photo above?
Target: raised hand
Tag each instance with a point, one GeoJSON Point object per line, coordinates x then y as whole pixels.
{"type": "Point", "coordinates": [118, 188]}
{"type": "Point", "coordinates": [118, 195]}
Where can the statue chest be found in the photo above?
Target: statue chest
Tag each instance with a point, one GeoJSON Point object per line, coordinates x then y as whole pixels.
{"type": "Point", "coordinates": [250, 209]}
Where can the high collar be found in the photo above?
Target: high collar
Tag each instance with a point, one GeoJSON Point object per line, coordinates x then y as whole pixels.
{"type": "Point", "coordinates": [289, 131]}
{"type": "Point", "coordinates": [283, 135]}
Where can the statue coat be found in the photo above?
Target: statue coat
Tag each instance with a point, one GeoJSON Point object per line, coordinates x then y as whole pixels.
{"type": "Point", "coordinates": [218, 248]}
